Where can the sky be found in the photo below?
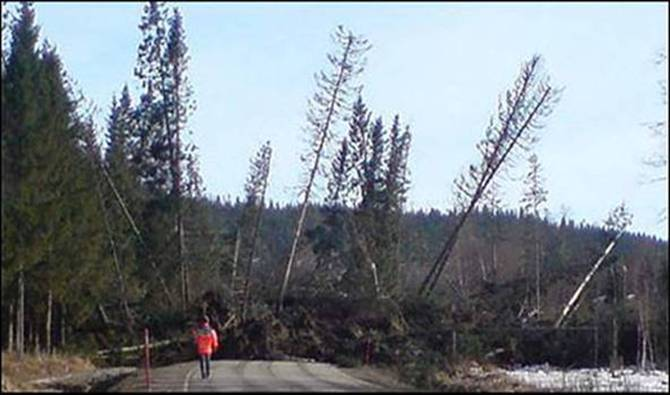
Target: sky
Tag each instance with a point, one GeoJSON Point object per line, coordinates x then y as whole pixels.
{"type": "Point", "coordinates": [440, 66]}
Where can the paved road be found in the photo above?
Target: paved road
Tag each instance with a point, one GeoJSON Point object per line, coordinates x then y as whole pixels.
{"type": "Point", "coordinates": [257, 376]}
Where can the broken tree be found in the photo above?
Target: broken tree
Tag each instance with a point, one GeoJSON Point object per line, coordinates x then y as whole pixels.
{"type": "Point", "coordinates": [617, 222]}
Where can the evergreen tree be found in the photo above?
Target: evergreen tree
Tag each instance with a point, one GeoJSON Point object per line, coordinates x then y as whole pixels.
{"type": "Point", "coordinates": [396, 186]}
{"type": "Point", "coordinates": [359, 141]}
{"type": "Point", "coordinates": [20, 127]}
{"type": "Point", "coordinates": [532, 201]}
{"type": "Point", "coordinates": [150, 149]}
{"type": "Point", "coordinates": [332, 95]}
{"type": "Point", "coordinates": [50, 228]}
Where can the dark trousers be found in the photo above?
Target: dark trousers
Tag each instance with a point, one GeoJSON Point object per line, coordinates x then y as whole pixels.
{"type": "Point", "coordinates": [204, 365]}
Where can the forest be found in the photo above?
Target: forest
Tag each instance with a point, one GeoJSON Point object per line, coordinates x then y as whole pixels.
{"type": "Point", "coordinates": [101, 239]}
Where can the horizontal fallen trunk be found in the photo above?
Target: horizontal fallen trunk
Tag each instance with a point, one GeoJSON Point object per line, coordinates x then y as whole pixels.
{"type": "Point", "coordinates": [140, 347]}
{"type": "Point", "coordinates": [161, 343]}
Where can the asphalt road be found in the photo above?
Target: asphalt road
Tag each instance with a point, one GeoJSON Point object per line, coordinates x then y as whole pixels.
{"type": "Point", "coordinates": [256, 376]}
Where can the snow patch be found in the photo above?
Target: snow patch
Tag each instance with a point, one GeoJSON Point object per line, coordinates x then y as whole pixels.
{"type": "Point", "coordinates": [602, 379]}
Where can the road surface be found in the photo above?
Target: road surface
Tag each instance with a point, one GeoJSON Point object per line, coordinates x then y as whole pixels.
{"type": "Point", "coordinates": [257, 376]}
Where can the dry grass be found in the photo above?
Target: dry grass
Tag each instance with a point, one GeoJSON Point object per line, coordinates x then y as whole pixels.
{"type": "Point", "coordinates": [471, 376]}
{"type": "Point", "coordinates": [16, 374]}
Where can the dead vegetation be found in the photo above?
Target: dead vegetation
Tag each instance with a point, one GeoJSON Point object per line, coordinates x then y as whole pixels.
{"type": "Point", "coordinates": [17, 375]}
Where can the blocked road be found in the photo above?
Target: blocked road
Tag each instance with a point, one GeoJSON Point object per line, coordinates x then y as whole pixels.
{"type": "Point", "coordinates": [256, 376]}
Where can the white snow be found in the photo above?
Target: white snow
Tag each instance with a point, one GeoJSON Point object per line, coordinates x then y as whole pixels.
{"type": "Point", "coordinates": [603, 379]}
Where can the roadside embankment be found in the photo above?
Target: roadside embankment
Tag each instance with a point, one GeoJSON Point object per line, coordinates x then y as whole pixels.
{"type": "Point", "coordinates": [57, 373]}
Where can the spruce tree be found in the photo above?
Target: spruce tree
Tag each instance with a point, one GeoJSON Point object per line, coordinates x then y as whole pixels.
{"type": "Point", "coordinates": [333, 94]}
{"type": "Point", "coordinates": [20, 124]}
{"type": "Point", "coordinates": [534, 197]}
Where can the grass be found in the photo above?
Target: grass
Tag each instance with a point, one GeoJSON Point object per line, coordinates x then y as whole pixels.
{"type": "Point", "coordinates": [17, 373]}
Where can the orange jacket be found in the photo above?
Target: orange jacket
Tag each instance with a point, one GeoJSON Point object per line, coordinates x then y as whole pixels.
{"type": "Point", "coordinates": [206, 340]}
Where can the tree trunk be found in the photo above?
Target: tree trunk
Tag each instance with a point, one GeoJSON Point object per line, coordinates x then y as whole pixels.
{"type": "Point", "coordinates": [312, 175]}
{"type": "Point", "coordinates": [494, 269]}
{"type": "Point", "coordinates": [20, 319]}
{"type": "Point", "coordinates": [537, 276]}
{"type": "Point", "coordinates": [568, 307]}
{"type": "Point", "coordinates": [595, 343]}
{"type": "Point", "coordinates": [614, 359]}
{"type": "Point", "coordinates": [62, 325]}
{"type": "Point", "coordinates": [428, 285]}
{"type": "Point", "coordinates": [129, 217]}
{"type": "Point", "coordinates": [482, 266]}
{"type": "Point", "coordinates": [36, 337]}
{"type": "Point", "coordinates": [117, 265]}
{"type": "Point", "coordinates": [254, 236]}
{"type": "Point", "coordinates": [180, 256]}
{"type": "Point", "coordinates": [10, 330]}
{"type": "Point", "coordinates": [360, 243]}
{"type": "Point", "coordinates": [247, 273]}
{"type": "Point", "coordinates": [461, 282]}
{"type": "Point", "coordinates": [48, 323]}
{"type": "Point", "coordinates": [236, 255]}
{"type": "Point", "coordinates": [294, 245]}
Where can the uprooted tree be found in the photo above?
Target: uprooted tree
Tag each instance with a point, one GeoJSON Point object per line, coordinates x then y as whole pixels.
{"type": "Point", "coordinates": [249, 224]}
{"type": "Point", "coordinates": [519, 116]}
{"type": "Point", "coordinates": [334, 90]}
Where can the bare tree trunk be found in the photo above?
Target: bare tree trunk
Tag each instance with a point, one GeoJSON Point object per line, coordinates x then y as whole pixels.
{"type": "Point", "coordinates": [236, 255]}
{"type": "Point", "coordinates": [130, 322]}
{"type": "Point", "coordinates": [10, 346]}
{"type": "Point", "coordinates": [257, 225]}
{"type": "Point", "coordinates": [48, 323]}
{"type": "Point", "coordinates": [62, 325]}
{"type": "Point", "coordinates": [187, 264]}
{"type": "Point", "coordinates": [482, 265]}
{"type": "Point", "coordinates": [595, 343]}
{"type": "Point", "coordinates": [180, 256]}
{"type": "Point", "coordinates": [247, 273]}
{"type": "Point", "coordinates": [129, 217]}
{"type": "Point", "coordinates": [537, 275]}
{"type": "Point", "coordinates": [366, 254]}
{"type": "Point", "coordinates": [312, 176]}
{"type": "Point", "coordinates": [36, 337]}
{"type": "Point", "coordinates": [614, 362]}
{"type": "Point", "coordinates": [20, 317]}
{"type": "Point", "coordinates": [180, 222]}
{"type": "Point", "coordinates": [568, 307]}
{"type": "Point", "coordinates": [494, 271]}
{"type": "Point", "coordinates": [461, 282]}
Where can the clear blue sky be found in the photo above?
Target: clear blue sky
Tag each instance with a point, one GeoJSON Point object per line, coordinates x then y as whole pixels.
{"type": "Point", "coordinates": [441, 66]}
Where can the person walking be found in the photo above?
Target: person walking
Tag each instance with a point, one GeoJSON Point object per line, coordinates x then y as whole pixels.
{"type": "Point", "coordinates": [207, 342]}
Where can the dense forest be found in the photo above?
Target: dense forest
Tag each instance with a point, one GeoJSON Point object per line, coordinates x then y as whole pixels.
{"type": "Point", "coordinates": [103, 238]}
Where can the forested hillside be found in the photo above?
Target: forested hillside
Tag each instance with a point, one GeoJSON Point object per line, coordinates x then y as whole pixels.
{"type": "Point", "coordinates": [102, 238]}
